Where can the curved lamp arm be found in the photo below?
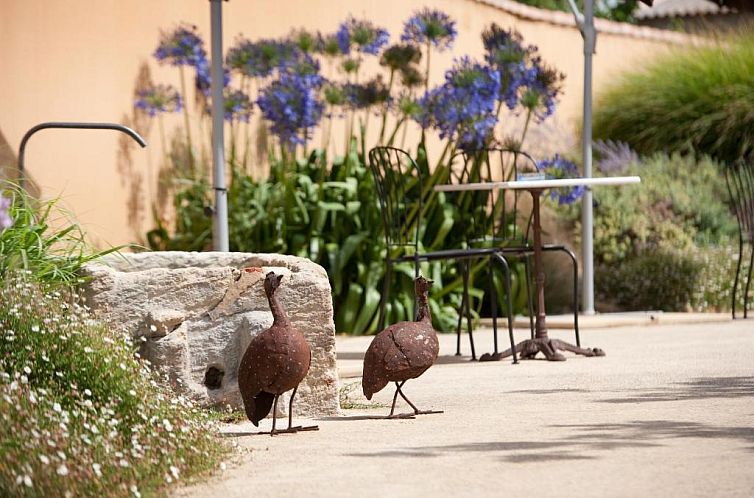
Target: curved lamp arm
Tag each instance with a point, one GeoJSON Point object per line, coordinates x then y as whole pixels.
{"type": "Point", "coordinates": [70, 125]}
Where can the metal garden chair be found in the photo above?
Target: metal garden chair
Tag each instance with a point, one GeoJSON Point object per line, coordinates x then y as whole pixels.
{"type": "Point", "coordinates": [401, 189]}
{"type": "Point", "coordinates": [740, 180]}
{"type": "Point", "coordinates": [493, 218]}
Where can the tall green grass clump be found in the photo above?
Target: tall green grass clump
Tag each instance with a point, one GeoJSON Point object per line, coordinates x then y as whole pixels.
{"type": "Point", "coordinates": [41, 238]}
{"type": "Point", "coordinates": [699, 99]}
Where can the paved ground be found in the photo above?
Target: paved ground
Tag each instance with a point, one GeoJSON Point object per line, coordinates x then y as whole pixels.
{"type": "Point", "coordinates": [668, 412]}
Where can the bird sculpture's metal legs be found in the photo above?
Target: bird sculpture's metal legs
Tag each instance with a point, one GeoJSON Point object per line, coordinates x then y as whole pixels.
{"type": "Point", "coordinates": [290, 428]}
{"type": "Point", "coordinates": [407, 415]}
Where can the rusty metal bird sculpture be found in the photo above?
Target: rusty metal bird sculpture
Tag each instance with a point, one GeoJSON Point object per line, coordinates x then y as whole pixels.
{"type": "Point", "coordinates": [276, 361]}
{"type": "Point", "coordinates": [402, 351]}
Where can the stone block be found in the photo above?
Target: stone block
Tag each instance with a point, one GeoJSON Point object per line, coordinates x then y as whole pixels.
{"type": "Point", "coordinates": [195, 314]}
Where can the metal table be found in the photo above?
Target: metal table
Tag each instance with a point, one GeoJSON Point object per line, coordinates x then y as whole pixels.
{"type": "Point", "coordinates": [541, 342]}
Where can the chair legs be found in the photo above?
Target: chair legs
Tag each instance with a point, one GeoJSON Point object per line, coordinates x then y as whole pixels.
{"type": "Point", "coordinates": [509, 302]}
{"type": "Point", "coordinates": [748, 283]}
{"type": "Point", "coordinates": [465, 310]}
{"type": "Point", "coordinates": [383, 297]}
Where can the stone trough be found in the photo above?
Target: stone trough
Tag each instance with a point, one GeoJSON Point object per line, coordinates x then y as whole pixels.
{"type": "Point", "coordinates": [195, 314]}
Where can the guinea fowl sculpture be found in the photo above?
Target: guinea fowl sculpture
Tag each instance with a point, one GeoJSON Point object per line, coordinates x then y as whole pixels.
{"type": "Point", "coordinates": [403, 351]}
{"type": "Point", "coordinates": [276, 361]}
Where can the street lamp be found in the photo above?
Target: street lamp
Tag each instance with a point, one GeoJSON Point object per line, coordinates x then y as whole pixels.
{"type": "Point", "coordinates": [585, 23]}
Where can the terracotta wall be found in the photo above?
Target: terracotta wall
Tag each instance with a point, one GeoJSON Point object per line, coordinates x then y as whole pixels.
{"type": "Point", "coordinates": [80, 60]}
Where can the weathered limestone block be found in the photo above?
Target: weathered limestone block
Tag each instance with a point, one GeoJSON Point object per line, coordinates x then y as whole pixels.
{"type": "Point", "coordinates": [197, 312]}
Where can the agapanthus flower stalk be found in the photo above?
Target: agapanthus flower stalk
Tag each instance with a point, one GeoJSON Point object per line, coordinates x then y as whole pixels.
{"type": "Point", "coordinates": [558, 167]}
{"type": "Point", "coordinates": [361, 34]}
{"type": "Point", "coordinates": [462, 108]}
{"type": "Point", "coordinates": [159, 99]}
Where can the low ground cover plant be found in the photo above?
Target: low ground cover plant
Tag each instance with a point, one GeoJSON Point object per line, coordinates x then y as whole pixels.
{"type": "Point", "coordinates": [80, 413]}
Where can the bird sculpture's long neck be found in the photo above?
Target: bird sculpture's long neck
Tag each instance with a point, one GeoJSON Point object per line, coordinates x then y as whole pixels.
{"type": "Point", "coordinates": [423, 314]}
{"type": "Point", "coordinates": [280, 317]}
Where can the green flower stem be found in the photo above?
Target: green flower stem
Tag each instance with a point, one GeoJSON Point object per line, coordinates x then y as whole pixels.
{"type": "Point", "coordinates": [186, 122]}
{"type": "Point", "coordinates": [385, 108]}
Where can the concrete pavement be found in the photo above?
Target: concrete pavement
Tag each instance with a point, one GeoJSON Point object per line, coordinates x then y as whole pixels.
{"type": "Point", "coordinates": [668, 412]}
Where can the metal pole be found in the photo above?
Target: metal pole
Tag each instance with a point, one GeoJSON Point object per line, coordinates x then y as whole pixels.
{"type": "Point", "coordinates": [587, 248]}
{"type": "Point", "coordinates": [220, 213]}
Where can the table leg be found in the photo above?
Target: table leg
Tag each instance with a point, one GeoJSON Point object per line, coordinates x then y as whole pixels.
{"type": "Point", "coordinates": [541, 342]}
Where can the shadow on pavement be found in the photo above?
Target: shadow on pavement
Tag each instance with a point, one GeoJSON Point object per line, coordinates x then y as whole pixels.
{"type": "Point", "coordinates": [701, 388]}
{"type": "Point", "coordinates": [648, 430]}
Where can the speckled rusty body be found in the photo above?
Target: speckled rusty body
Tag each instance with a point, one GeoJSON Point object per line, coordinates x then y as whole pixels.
{"type": "Point", "coordinates": [275, 362]}
{"type": "Point", "coordinates": [402, 351]}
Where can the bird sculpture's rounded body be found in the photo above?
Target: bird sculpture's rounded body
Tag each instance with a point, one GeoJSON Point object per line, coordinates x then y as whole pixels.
{"type": "Point", "coordinates": [403, 351]}
{"type": "Point", "coordinates": [276, 361]}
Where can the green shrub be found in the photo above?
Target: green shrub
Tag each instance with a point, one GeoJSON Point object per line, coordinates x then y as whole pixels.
{"type": "Point", "coordinates": [699, 98]}
{"type": "Point", "coordinates": [662, 244]}
{"type": "Point", "coordinates": [662, 280]}
{"type": "Point", "coordinates": [700, 279]}
{"type": "Point", "coordinates": [331, 215]}
{"type": "Point", "coordinates": [42, 239]}
{"type": "Point", "coordinates": [680, 204]}
{"type": "Point", "coordinates": [79, 415]}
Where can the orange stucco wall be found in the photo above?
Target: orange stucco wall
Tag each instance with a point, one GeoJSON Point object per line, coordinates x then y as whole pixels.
{"type": "Point", "coordinates": [79, 60]}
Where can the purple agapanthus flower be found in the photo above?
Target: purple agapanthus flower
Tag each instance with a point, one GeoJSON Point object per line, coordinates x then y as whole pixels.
{"type": "Point", "coordinates": [362, 35]}
{"type": "Point", "coordinates": [181, 47]}
{"type": "Point", "coordinates": [291, 103]}
{"type": "Point", "coordinates": [259, 59]}
{"type": "Point", "coordinates": [203, 80]}
{"type": "Point", "coordinates": [238, 106]}
{"type": "Point", "coordinates": [526, 80]}
{"type": "Point", "coordinates": [463, 108]}
{"type": "Point", "coordinates": [557, 167]}
{"type": "Point", "coordinates": [430, 26]}
{"type": "Point", "coordinates": [159, 99]}
{"type": "Point", "coordinates": [5, 220]}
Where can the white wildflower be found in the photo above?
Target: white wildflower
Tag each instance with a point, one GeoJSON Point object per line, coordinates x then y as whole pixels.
{"type": "Point", "coordinates": [123, 462]}
{"type": "Point", "coordinates": [56, 407]}
{"type": "Point", "coordinates": [87, 392]}
{"type": "Point", "coordinates": [153, 328]}
{"type": "Point", "coordinates": [135, 491]}
{"type": "Point", "coordinates": [27, 481]}
{"type": "Point", "coordinates": [27, 370]}
{"type": "Point", "coordinates": [62, 470]}
{"type": "Point", "coordinates": [97, 469]}
{"type": "Point", "coordinates": [44, 459]}
{"type": "Point", "coordinates": [175, 472]}
{"type": "Point", "coordinates": [88, 350]}
{"type": "Point", "coordinates": [35, 328]}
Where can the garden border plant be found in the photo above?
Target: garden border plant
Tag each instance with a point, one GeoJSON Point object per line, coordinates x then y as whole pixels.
{"type": "Point", "coordinates": [322, 205]}
{"type": "Point", "coordinates": [80, 413]}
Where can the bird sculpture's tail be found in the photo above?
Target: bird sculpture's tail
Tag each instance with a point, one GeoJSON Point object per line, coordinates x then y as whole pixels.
{"type": "Point", "coordinates": [259, 406]}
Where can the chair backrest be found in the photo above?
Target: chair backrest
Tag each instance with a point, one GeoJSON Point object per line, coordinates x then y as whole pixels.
{"type": "Point", "coordinates": [491, 216]}
{"type": "Point", "coordinates": [398, 182]}
{"type": "Point", "coordinates": [739, 177]}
